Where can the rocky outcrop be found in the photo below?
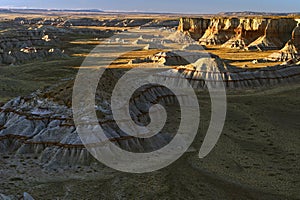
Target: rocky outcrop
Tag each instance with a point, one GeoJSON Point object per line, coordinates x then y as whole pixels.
{"type": "Point", "coordinates": [195, 27]}
{"type": "Point", "coordinates": [37, 125]}
{"type": "Point", "coordinates": [221, 28]}
{"type": "Point", "coordinates": [210, 68]}
{"type": "Point", "coordinates": [219, 31]}
{"type": "Point", "coordinates": [247, 31]}
{"type": "Point", "coordinates": [265, 43]}
{"type": "Point", "coordinates": [291, 51]}
{"type": "Point", "coordinates": [276, 34]}
{"type": "Point", "coordinates": [287, 53]}
{"type": "Point", "coordinates": [244, 32]}
{"type": "Point", "coordinates": [236, 78]}
{"type": "Point", "coordinates": [177, 58]}
{"type": "Point", "coordinates": [180, 38]}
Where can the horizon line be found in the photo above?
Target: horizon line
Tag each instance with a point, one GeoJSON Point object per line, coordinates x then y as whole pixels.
{"type": "Point", "coordinates": [142, 11]}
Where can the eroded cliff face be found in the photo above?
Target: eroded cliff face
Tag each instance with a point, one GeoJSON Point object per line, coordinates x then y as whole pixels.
{"type": "Point", "coordinates": [296, 36]}
{"type": "Point", "coordinates": [276, 33]}
{"type": "Point", "coordinates": [291, 51]}
{"type": "Point", "coordinates": [195, 27]}
{"type": "Point", "coordinates": [246, 32]}
{"type": "Point", "coordinates": [257, 33]}
{"type": "Point", "coordinates": [219, 31]}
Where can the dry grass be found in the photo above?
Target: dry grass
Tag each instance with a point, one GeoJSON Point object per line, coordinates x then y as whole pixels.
{"type": "Point", "coordinates": [241, 58]}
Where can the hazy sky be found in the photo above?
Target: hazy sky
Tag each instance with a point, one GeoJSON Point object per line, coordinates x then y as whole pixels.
{"type": "Point", "coordinates": [187, 6]}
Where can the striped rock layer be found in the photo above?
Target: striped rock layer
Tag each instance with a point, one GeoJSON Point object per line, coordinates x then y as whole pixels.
{"type": "Point", "coordinates": [232, 32]}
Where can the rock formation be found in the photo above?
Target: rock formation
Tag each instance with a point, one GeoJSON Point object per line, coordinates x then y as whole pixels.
{"type": "Point", "coordinates": [180, 38]}
{"type": "Point", "coordinates": [219, 31]}
{"type": "Point", "coordinates": [246, 32]}
{"type": "Point", "coordinates": [291, 51]}
{"type": "Point", "coordinates": [233, 77]}
{"type": "Point", "coordinates": [195, 27]}
{"type": "Point", "coordinates": [288, 52]}
{"type": "Point", "coordinates": [193, 47]}
{"type": "Point", "coordinates": [205, 66]}
{"type": "Point", "coordinates": [277, 33]}
{"type": "Point", "coordinates": [177, 58]}
{"type": "Point", "coordinates": [236, 78]}
{"type": "Point", "coordinates": [41, 126]}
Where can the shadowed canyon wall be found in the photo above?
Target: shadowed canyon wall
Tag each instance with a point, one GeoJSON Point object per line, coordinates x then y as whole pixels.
{"type": "Point", "coordinates": [218, 30]}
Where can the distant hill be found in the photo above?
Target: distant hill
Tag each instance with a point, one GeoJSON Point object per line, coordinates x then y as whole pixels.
{"type": "Point", "coordinates": [250, 13]}
{"type": "Point", "coordinates": [18, 10]}
{"type": "Point", "coordinates": [2, 10]}
{"type": "Point", "coordinates": [95, 11]}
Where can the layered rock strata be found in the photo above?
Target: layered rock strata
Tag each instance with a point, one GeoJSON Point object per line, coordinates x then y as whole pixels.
{"type": "Point", "coordinates": [251, 32]}
{"type": "Point", "coordinates": [291, 51]}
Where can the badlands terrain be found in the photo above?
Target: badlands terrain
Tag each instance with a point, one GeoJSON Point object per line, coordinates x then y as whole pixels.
{"type": "Point", "coordinates": [256, 57]}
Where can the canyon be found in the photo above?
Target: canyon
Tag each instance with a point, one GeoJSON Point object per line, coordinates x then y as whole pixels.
{"type": "Point", "coordinates": [256, 58]}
